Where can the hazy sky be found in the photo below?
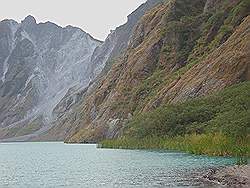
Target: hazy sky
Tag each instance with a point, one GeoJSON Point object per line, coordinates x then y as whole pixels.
{"type": "Point", "coordinates": [96, 17]}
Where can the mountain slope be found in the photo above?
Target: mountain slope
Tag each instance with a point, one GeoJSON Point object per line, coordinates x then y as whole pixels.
{"type": "Point", "coordinates": [179, 50]}
{"type": "Point", "coordinates": [39, 64]}
{"type": "Point", "coordinates": [217, 124]}
{"type": "Point", "coordinates": [101, 61]}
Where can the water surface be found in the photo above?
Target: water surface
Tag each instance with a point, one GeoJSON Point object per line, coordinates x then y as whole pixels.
{"type": "Point", "coordinates": [61, 165]}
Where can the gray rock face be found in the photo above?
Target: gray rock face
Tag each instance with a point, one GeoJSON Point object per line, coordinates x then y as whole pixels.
{"type": "Point", "coordinates": [113, 46]}
{"type": "Point", "coordinates": [118, 40]}
{"type": "Point", "coordinates": [39, 63]}
{"type": "Point", "coordinates": [46, 70]}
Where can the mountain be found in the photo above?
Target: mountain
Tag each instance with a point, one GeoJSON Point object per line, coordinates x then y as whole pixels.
{"type": "Point", "coordinates": [66, 66]}
{"type": "Point", "coordinates": [60, 83]}
{"type": "Point", "coordinates": [39, 63]}
{"type": "Point", "coordinates": [179, 50]}
{"type": "Point", "coordinates": [117, 42]}
{"type": "Point", "coordinates": [112, 48]}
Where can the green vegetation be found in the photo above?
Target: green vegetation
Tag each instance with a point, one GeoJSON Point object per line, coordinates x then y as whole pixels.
{"type": "Point", "coordinates": [215, 125]}
{"type": "Point", "coordinates": [28, 129]}
{"type": "Point", "coordinates": [17, 131]}
{"type": "Point", "coordinates": [238, 12]}
{"type": "Point", "coordinates": [218, 124]}
{"type": "Point", "coordinates": [217, 27]}
{"type": "Point", "coordinates": [190, 36]}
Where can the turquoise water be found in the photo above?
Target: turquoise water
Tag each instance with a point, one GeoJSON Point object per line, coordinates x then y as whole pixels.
{"type": "Point", "coordinates": [60, 165]}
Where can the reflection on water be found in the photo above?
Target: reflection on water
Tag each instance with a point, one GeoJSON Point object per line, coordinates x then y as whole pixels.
{"type": "Point", "coordinates": [61, 165]}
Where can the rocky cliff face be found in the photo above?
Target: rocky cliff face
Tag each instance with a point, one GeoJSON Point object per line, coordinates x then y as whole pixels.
{"type": "Point", "coordinates": [179, 50]}
{"type": "Point", "coordinates": [101, 61]}
{"type": "Point", "coordinates": [39, 63]}
{"type": "Point", "coordinates": [118, 40]}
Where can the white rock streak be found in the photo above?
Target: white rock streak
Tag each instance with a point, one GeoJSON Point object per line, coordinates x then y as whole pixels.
{"type": "Point", "coordinates": [5, 69]}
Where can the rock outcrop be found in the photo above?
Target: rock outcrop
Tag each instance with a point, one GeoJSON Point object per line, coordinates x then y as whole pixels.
{"type": "Point", "coordinates": [39, 63]}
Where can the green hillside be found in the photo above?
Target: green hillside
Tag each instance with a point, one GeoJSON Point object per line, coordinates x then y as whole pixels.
{"type": "Point", "coordinates": [215, 125]}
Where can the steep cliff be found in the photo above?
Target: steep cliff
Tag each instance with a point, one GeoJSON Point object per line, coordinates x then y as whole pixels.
{"type": "Point", "coordinates": [39, 63]}
{"type": "Point", "coordinates": [178, 51]}
{"type": "Point", "coordinates": [113, 46]}
{"type": "Point", "coordinates": [101, 61]}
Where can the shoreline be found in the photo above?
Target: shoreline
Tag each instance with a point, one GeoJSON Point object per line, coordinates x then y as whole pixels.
{"type": "Point", "coordinates": [224, 176]}
{"type": "Point", "coordinates": [230, 176]}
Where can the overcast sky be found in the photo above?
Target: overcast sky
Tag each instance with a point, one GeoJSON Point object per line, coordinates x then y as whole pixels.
{"type": "Point", "coordinates": [96, 17]}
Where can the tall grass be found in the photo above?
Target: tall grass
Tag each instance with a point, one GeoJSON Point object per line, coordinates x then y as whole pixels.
{"type": "Point", "coordinates": [208, 144]}
{"type": "Point", "coordinates": [217, 125]}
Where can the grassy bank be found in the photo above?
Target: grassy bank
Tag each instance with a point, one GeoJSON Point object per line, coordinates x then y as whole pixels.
{"type": "Point", "coordinates": [215, 125]}
{"type": "Point", "coordinates": [211, 144]}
